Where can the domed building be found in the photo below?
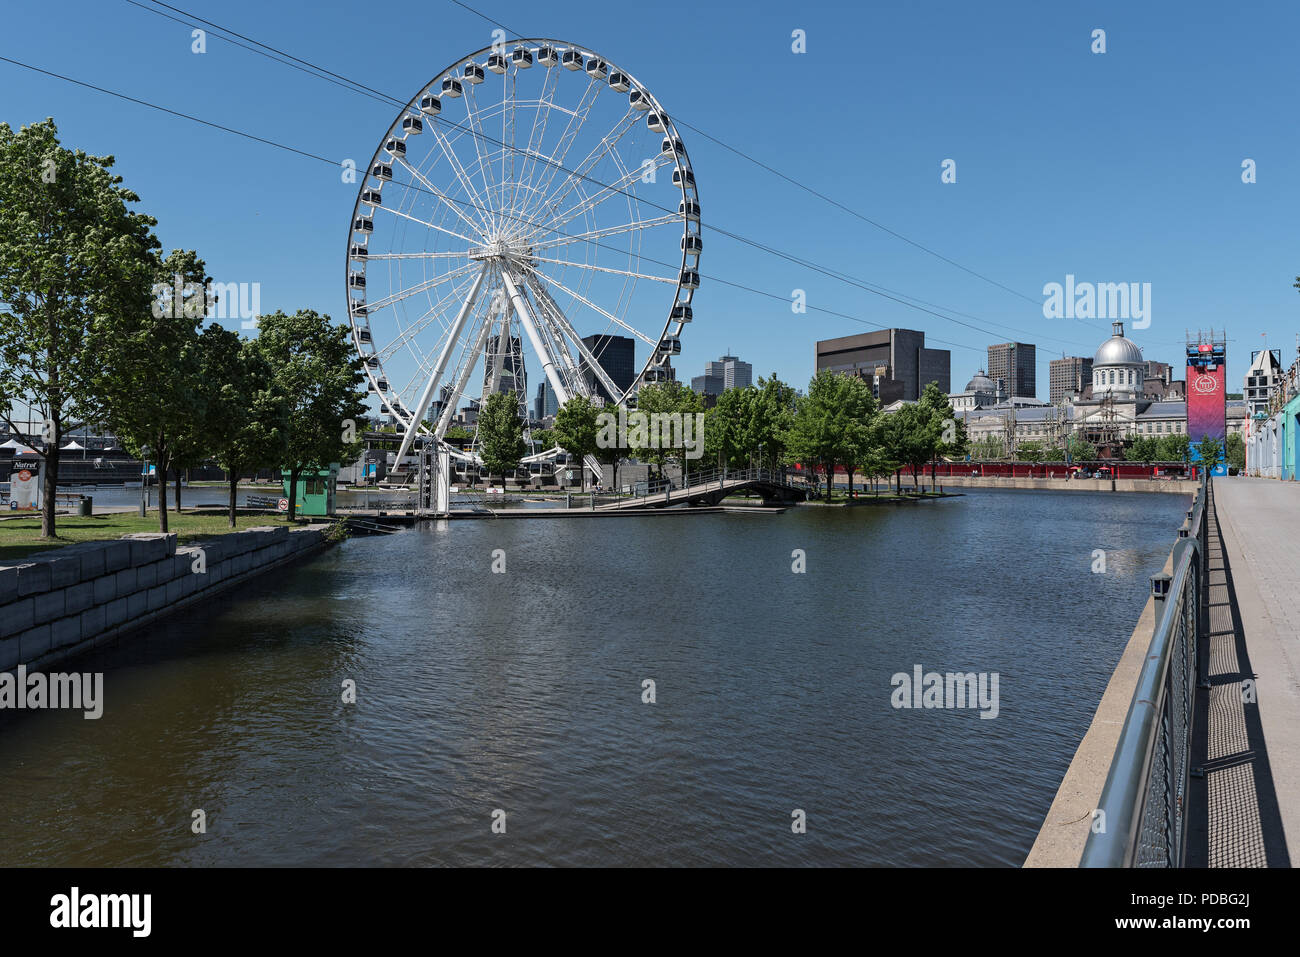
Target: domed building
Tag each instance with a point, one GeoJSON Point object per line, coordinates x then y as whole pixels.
{"type": "Point", "coordinates": [1118, 368]}
{"type": "Point", "coordinates": [981, 392]}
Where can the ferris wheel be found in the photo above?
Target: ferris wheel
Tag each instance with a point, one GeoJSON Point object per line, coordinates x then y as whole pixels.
{"type": "Point", "coordinates": [531, 209]}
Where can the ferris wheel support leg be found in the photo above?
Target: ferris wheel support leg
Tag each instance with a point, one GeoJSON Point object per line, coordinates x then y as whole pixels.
{"type": "Point", "coordinates": [436, 376]}
{"type": "Point", "coordinates": [543, 353]}
{"type": "Point", "coordinates": [445, 419]}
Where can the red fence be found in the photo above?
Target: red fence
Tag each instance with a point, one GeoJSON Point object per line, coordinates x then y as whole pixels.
{"type": "Point", "coordinates": [1128, 470]}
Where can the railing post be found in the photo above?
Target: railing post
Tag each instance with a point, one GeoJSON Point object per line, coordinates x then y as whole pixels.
{"type": "Point", "coordinates": [1160, 592]}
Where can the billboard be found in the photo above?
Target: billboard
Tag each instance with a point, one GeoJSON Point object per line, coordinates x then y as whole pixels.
{"type": "Point", "coordinates": [1206, 394]}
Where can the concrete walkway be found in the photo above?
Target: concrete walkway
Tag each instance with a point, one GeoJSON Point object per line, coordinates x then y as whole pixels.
{"type": "Point", "coordinates": [1246, 809]}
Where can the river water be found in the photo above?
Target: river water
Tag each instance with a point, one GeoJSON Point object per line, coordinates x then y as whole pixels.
{"type": "Point", "coordinates": [521, 692]}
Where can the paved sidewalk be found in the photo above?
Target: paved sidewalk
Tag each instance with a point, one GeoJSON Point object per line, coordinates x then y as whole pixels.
{"type": "Point", "coordinates": [1247, 807]}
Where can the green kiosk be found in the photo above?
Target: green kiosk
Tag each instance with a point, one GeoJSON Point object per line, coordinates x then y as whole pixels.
{"type": "Point", "coordinates": [315, 490]}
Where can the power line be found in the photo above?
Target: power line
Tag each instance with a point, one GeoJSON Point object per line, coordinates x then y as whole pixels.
{"type": "Point", "coordinates": [801, 185]}
{"type": "Point", "coordinates": [305, 66]}
{"type": "Point", "coordinates": [416, 187]}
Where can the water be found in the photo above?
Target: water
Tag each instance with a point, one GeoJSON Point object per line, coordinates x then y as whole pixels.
{"type": "Point", "coordinates": [522, 692]}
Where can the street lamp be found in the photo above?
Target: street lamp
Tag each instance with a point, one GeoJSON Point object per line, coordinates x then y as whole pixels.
{"type": "Point", "coordinates": [144, 480]}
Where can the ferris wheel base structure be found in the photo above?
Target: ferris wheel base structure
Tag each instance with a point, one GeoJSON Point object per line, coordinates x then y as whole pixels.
{"type": "Point", "coordinates": [530, 202]}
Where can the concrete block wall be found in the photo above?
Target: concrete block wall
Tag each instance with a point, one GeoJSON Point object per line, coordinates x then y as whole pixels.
{"type": "Point", "coordinates": [59, 603]}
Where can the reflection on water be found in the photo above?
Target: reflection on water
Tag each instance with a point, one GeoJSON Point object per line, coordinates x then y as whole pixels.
{"type": "Point", "coordinates": [522, 691]}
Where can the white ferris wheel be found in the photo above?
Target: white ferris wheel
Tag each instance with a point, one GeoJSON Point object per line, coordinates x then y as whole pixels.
{"type": "Point", "coordinates": [529, 210]}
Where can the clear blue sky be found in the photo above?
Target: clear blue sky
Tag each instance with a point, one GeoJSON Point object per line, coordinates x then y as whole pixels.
{"type": "Point", "coordinates": [1120, 167]}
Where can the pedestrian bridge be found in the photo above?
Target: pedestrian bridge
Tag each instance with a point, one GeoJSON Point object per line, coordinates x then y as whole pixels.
{"type": "Point", "coordinates": [707, 488]}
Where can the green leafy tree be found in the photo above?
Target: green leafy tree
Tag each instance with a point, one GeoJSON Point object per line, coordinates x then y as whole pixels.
{"type": "Point", "coordinates": [245, 425]}
{"type": "Point", "coordinates": [1235, 452]}
{"type": "Point", "coordinates": [667, 398]}
{"type": "Point", "coordinates": [910, 437]}
{"type": "Point", "coordinates": [458, 433]}
{"type": "Point", "coordinates": [950, 431]}
{"type": "Point", "coordinates": [1211, 451]}
{"type": "Point", "coordinates": [832, 425]}
{"type": "Point", "coordinates": [1030, 452]}
{"type": "Point", "coordinates": [1079, 449]}
{"type": "Point", "coordinates": [314, 367]}
{"type": "Point", "coordinates": [158, 402]}
{"type": "Point", "coordinates": [576, 430]}
{"type": "Point", "coordinates": [75, 269]}
{"type": "Point", "coordinates": [1143, 449]}
{"type": "Point", "coordinates": [1174, 448]}
{"type": "Point", "coordinates": [501, 435]}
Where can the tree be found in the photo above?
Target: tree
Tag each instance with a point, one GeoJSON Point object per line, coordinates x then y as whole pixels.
{"type": "Point", "coordinates": [1174, 448]}
{"type": "Point", "coordinates": [1235, 451]}
{"type": "Point", "coordinates": [458, 433]}
{"type": "Point", "coordinates": [1079, 449]}
{"type": "Point", "coordinates": [1143, 449]}
{"type": "Point", "coordinates": [314, 367]}
{"type": "Point", "coordinates": [75, 269]}
{"type": "Point", "coordinates": [1211, 451]}
{"type": "Point", "coordinates": [831, 425]}
{"type": "Point", "coordinates": [576, 430]}
{"type": "Point", "coordinates": [950, 431]}
{"type": "Point", "coordinates": [149, 374]}
{"type": "Point", "coordinates": [501, 435]}
{"type": "Point", "coordinates": [910, 438]}
{"type": "Point", "coordinates": [666, 398]}
{"type": "Point", "coordinates": [246, 419]}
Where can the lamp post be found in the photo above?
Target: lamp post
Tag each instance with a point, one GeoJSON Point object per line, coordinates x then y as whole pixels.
{"type": "Point", "coordinates": [144, 480]}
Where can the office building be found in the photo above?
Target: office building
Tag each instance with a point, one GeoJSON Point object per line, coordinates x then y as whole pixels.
{"type": "Point", "coordinates": [616, 355]}
{"type": "Point", "coordinates": [895, 362]}
{"type": "Point", "coordinates": [1015, 365]}
{"type": "Point", "coordinates": [1068, 377]}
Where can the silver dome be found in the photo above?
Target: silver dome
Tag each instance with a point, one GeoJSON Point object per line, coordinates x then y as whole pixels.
{"type": "Point", "coordinates": [1118, 351]}
{"type": "Point", "coordinates": [982, 383]}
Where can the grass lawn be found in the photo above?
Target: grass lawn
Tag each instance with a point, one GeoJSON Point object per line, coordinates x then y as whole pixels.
{"type": "Point", "coordinates": [22, 536]}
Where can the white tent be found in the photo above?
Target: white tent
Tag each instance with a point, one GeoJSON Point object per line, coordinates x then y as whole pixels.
{"type": "Point", "coordinates": [18, 447]}
{"type": "Point", "coordinates": [73, 445]}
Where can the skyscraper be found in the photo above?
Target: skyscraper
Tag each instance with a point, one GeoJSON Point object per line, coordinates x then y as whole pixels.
{"type": "Point", "coordinates": [616, 355]}
{"type": "Point", "coordinates": [1014, 363]}
{"type": "Point", "coordinates": [1067, 376]}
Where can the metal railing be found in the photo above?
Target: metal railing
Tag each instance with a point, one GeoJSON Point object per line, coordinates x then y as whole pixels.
{"type": "Point", "coordinates": [1141, 819]}
{"type": "Point", "coordinates": [659, 489]}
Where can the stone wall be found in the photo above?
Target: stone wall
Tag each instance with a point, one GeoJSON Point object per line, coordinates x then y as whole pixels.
{"type": "Point", "coordinates": [60, 603]}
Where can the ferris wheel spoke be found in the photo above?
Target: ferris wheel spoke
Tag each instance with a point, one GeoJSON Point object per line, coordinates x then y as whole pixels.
{"type": "Point", "coordinates": [457, 254]}
{"type": "Point", "coordinates": [458, 168]}
{"type": "Point", "coordinates": [606, 192]}
{"type": "Point", "coordinates": [607, 269]}
{"type": "Point", "coordinates": [566, 239]}
{"type": "Point", "coordinates": [441, 229]}
{"type": "Point", "coordinates": [418, 288]}
{"type": "Point", "coordinates": [569, 136]}
{"type": "Point", "coordinates": [581, 173]}
{"type": "Point", "coordinates": [420, 324]}
{"type": "Point", "coordinates": [545, 105]}
{"type": "Point", "coordinates": [455, 207]}
{"type": "Point", "coordinates": [550, 280]}
{"type": "Point", "coordinates": [480, 145]}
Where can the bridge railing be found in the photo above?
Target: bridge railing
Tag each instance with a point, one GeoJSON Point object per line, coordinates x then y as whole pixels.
{"type": "Point", "coordinates": [1144, 803]}
{"type": "Point", "coordinates": [693, 481]}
